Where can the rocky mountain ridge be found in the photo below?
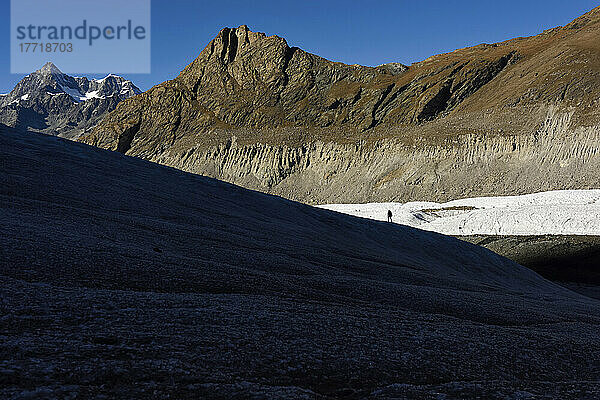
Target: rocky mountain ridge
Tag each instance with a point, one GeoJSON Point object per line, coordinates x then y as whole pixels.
{"type": "Point", "coordinates": [50, 101]}
{"type": "Point", "coordinates": [506, 118]}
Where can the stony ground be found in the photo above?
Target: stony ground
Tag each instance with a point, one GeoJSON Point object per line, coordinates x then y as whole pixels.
{"type": "Point", "coordinates": [124, 279]}
{"type": "Point", "coordinates": [62, 342]}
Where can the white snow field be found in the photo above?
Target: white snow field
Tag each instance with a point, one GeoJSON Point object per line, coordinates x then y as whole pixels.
{"type": "Point", "coordinates": [561, 212]}
{"type": "Point", "coordinates": [120, 278]}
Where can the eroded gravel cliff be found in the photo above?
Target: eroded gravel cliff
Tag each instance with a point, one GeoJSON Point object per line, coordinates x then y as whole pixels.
{"type": "Point", "coordinates": [553, 157]}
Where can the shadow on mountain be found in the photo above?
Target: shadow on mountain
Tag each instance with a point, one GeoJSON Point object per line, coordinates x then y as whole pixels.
{"type": "Point", "coordinates": [124, 278]}
{"type": "Point", "coordinates": [573, 260]}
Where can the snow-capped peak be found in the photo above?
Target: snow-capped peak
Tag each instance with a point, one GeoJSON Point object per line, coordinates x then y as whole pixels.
{"type": "Point", "coordinates": [51, 81]}
{"type": "Point", "coordinates": [107, 77]}
{"type": "Point", "coordinates": [68, 105]}
{"type": "Point", "coordinates": [81, 89]}
{"type": "Point", "coordinates": [50, 69]}
{"type": "Point", "coordinates": [111, 85]}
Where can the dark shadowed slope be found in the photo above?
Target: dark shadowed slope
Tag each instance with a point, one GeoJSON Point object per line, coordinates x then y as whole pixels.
{"type": "Point", "coordinates": [122, 277]}
{"type": "Point", "coordinates": [572, 260]}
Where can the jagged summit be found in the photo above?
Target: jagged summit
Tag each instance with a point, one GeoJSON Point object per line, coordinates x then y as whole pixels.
{"type": "Point", "coordinates": [230, 41]}
{"type": "Point", "coordinates": [250, 80]}
{"type": "Point", "coordinates": [50, 68]}
{"type": "Point", "coordinates": [50, 101]}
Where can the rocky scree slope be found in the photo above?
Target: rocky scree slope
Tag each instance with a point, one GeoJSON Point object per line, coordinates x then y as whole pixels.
{"type": "Point", "coordinates": [52, 102]}
{"type": "Point", "coordinates": [507, 118]}
{"type": "Point", "coordinates": [112, 288]}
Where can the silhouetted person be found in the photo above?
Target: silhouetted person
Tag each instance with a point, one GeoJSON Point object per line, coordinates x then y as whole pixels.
{"type": "Point", "coordinates": [389, 215]}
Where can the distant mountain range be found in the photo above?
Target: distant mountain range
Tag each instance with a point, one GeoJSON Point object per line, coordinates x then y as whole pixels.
{"type": "Point", "coordinates": [515, 117]}
{"type": "Point", "coordinates": [50, 101]}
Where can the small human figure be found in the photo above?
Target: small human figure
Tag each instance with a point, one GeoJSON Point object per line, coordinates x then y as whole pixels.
{"type": "Point", "coordinates": [389, 215]}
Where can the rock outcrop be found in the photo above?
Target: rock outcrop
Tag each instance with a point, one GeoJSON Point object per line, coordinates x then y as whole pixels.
{"type": "Point", "coordinates": [507, 118]}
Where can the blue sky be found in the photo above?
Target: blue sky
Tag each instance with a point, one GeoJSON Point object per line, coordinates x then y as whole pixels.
{"type": "Point", "coordinates": [354, 32]}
